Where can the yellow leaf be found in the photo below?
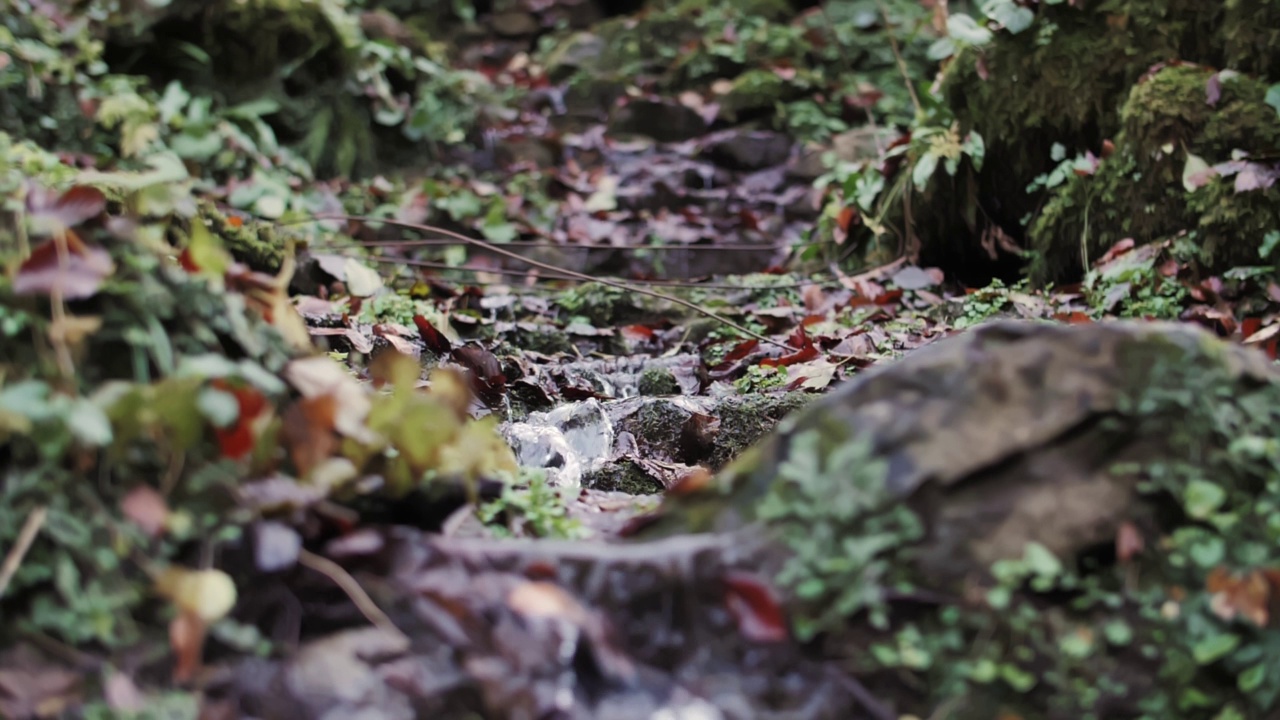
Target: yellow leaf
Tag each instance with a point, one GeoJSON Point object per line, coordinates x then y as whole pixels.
{"type": "Point", "coordinates": [206, 594]}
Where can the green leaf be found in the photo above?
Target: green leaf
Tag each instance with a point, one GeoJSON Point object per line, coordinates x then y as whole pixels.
{"type": "Point", "coordinates": [1214, 648]}
{"type": "Point", "coordinates": [924, 170]}
{"type": "Point", "coordinates": [1273, 97]}
{"type": "Point", "coordinates": [941, 49]}
{"type": "Point", "coordinates": [89, 424]}
{"type": "Point", "coordinates": [1195, 173]}
{"type": "Point", "coordinates": [976, 148]}
{"type": "Point", "coordinates": [1041, 561]}
{"type": "Point", "coordinates": [967, 30]}
{"type": "Point", "coordinates": [1012, 16]}
{"type": "Point", "coordinates": [1252, 678]}
{"type": "Point", "coordinates": [1269, 243]}
{"type": "Point", "coordinates": [1201, 498]}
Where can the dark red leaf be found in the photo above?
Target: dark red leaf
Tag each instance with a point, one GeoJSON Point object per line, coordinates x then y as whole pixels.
{"type": "Point", "coordinates": [755, 608]}
{"type": "Point", "coordinates": [75, 276]}
{"type": "Point", "coordinates": [67, 210]}
{"type": "Point", "coordinates": [435, 340]}
{"type": "Point", "coordinates": [484, 371]}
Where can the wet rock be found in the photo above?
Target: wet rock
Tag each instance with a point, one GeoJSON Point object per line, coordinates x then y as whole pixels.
{"type": "Point", "coordinates": [991, 476]}
{"type": "Point", "coordinates": [662, 120]}
{"type": "Point", "coordinates": [748, 150]}
{"type": "Point", "coordinates": [514, 23]}
{"type": "Point", "coordinates": [853, 145]}
{"type": "Point", "coordinates": [581, 50]}
{"type": "Point", "coordinates": [568, 441]}
{"type": "Point", "coordinates": [995, 434]}
{"type": "Point", "coordinates": [538, 152]}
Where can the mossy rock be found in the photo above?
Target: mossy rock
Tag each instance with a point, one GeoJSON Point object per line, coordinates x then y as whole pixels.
{"type": "Point", "coordinates": [744, 420]}
{"type": "Point", "coordinates": [658, 381]}
{"type": "Point", "coordinates": [947, 525]}
{"type": "Point", "coordinates": [1061, 81]}
{"type": "Point", "coordinates": [623, 476]}
{"type": "Point", "coordinates": [1139, 193]}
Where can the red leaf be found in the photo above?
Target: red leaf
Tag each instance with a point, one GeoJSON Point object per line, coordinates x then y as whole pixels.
{"type": "Point", "coordinates": [237, 441]}
{"type": "Point", "coordinates": [1129, 542]}
{"type": "Point", "coordinates": [805, 350]}
{"type": "Point", "coordinates": [186, 638]}
{"type": "Point", "coordinates": [1249, 326]}
{"type": "Point", "coordinates": [1075, 317]}
{"type": "Point", "coordinates": [146, 508]}
{"type": "Point", "coordinates": [755, 607]}
{"type": "Point", "coordinates": [75, 276]}
{"type": "Point", "coordinates": [67, 210]}
{"type": "Point", "coordinates": [487, 380]}
{"type": "Point", "coordinates": [435, 340]}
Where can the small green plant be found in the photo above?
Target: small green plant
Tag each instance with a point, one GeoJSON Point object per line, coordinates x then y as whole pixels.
{"type": "Point", "coordinates": [530, 507]}
{"type": "Point", "coordinates": [979, 306]}
{"type": "Point", "coordinates": [759, 378]}
{"type": "Point", "coordinates": [830, 508]}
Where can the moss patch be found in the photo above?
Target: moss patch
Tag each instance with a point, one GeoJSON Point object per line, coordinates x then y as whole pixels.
{"type": "Point", "coordinates": [1139, 191]}
{"type": "Point", "coordinates": [624, 476]}
{"type": "Point", "coordinates": [745, 420]}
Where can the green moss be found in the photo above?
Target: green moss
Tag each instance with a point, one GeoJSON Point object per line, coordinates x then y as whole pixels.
{"type": "Point", "coordinates": [1139, 192]}
{"type": "Point", "coordinates": [1062, 81]}
{"type": "Point", "coordinates": [744, 420]}
{"type": "Point", "coordinates": [757, 90]}
{"type": "Point", "coordinates": [658, 381]}
{"type": "Point", "coordinates": [1251, 29]}
{"type": "Point", "coordinates": [256, 244]}
{"type": "Point", "coordinates": [623, 476]}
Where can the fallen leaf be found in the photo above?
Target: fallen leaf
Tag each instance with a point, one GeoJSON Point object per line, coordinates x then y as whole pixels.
{"type": "Point", "coordinates": [485, 372]}
{"type": "Point", "coordinates": [755, 607]}
{"type": "Point", "coordinates": [308, 432]}
{"type": "Point", "coordinates": [76, 275]}
{"type": "Point", "coordinates": [208, 594]}
{"type": "Point", "coordinates": [147, 509]}
{"type": "Point", "coordinates": [320, 375]}
{"type": "Point", "coordinates": [1129, 543]}
{"type": "Point", "coordinates": [237, 441]}
{"type": "Point", "coordinates": [32, 687]}
{"type": "Point", "coordinates": [186, 639]}
{"type": "Point", "coordinates": [51, 213]}
{"type": "Point", "coordinates": [1247, 595]}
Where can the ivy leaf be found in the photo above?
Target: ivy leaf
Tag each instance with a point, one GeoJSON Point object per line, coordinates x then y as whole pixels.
{"type": "Point", "coordinates": [1214, 648]}
{"type": "Point", "coordinates": [1201, 498]}
{"type": "Point", "coordinates": [1012, 16]}
{"type": "Point", "coordinates": [1196, 173]}
{"type": "Point", "coordinates": [924, 170]}
{"type": "Point", "coordinates": [1273, 97]}
{"type": "Point", "coordinates": [967, 30]}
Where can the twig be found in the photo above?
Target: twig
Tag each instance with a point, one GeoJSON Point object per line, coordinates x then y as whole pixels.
{"type": "Point", "coordinates": [648, 283]}
{"type": "Point", "coordinates": [897, 54]}
{"type": "Point", "coordinates": [552, 268]}
{"type": "Point", "coordinates": [30, 528]}
{"type": "Point", "coordinates": [864, 698]}
{"type": "Point", "coordinates": [359, 597]}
